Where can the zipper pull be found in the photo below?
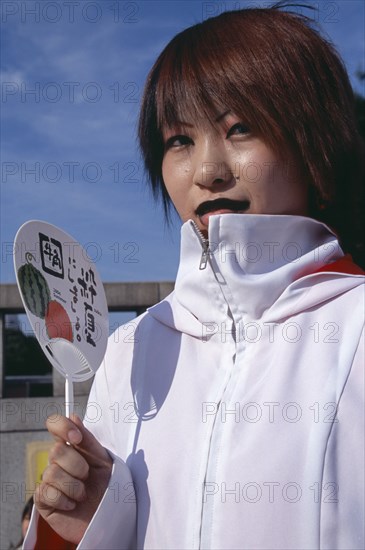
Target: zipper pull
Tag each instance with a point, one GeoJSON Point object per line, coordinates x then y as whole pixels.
{"type": "Point", "coordinates": [205, 246]}
{"type": "Point", "coordinates": [204, 256]}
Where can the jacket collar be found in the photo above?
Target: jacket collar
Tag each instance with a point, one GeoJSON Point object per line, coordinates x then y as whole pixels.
{"type": "Point", "coordinates": [253, 260]}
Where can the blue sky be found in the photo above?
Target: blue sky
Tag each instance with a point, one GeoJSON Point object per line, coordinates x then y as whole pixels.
{"type": "Point", "coordinates": [69, 152]}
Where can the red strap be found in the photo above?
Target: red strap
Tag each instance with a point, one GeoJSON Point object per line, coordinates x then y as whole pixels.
{"type": "Point", "coordinates": [47, 539]}
{"type": "Point", "coordinates": [344, 265]}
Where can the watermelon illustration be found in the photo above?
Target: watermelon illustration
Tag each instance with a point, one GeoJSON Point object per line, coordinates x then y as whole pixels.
{"type": "Point", "coordinates": [57, 321]}
{"type": "Point", "coordinates": [34, 287]}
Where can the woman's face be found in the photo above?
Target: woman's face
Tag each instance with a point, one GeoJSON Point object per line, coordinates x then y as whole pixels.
{"type": "Point", "coordinates": [223, 168]}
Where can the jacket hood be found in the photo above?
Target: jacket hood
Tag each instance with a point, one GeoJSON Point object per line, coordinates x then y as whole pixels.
{"type": "Point", "coordinates": [259, 267]}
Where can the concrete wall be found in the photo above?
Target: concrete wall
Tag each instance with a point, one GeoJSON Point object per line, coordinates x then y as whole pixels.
{"type": "Point", "coordinates": [22, 420]}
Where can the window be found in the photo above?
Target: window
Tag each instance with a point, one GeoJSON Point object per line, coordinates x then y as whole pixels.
{"type": "Point", "coordinates": [27, 371]}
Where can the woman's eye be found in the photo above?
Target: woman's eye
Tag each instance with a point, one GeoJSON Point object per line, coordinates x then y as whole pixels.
{"type": "Point", "coordinates": [177, 141]}
{"type": "Point", "coordinates": [237, 129]}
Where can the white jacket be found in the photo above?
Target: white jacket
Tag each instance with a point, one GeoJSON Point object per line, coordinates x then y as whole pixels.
{"type": "Point", "coordinates": [237, 402]}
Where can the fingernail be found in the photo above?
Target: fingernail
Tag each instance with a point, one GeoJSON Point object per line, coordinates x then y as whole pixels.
{"type": "Point", "coordinates": [74, 436]}
{"type": "Point", "coordinates": [70, 505]}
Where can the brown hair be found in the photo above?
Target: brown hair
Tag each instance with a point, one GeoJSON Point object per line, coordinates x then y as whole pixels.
{"type": "Point", "coordinates": [288, 84]}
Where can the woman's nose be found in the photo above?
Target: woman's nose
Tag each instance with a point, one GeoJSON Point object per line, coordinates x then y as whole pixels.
{"type": "Point", "coordinates": [212, 166]}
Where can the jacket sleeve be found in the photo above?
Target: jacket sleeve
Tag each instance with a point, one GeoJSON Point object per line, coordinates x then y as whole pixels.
{"type": "Point", "coordinates": [342, 499]}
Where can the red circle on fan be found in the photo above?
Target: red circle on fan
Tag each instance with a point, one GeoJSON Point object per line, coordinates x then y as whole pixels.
{"type": "Point", "coordinates": [57, 321]}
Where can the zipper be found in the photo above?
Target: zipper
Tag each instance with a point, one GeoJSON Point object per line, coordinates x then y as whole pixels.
{"type": "Point", "coordinates": [205, 246]}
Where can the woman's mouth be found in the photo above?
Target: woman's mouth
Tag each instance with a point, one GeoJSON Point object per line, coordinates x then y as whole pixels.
{"type": "Point", "coordinates": [220, 206]}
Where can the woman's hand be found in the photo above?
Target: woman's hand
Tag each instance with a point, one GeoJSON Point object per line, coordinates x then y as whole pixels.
{"type": "Point", "coordinates": [75, 481]}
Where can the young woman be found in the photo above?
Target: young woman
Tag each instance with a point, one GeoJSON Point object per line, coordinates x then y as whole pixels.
{"type": "Point", "coordinates": [235, 418]}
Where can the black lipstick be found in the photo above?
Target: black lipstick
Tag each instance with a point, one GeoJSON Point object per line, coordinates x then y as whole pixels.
{"type": "Point", "coordinates": [220, 204]}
